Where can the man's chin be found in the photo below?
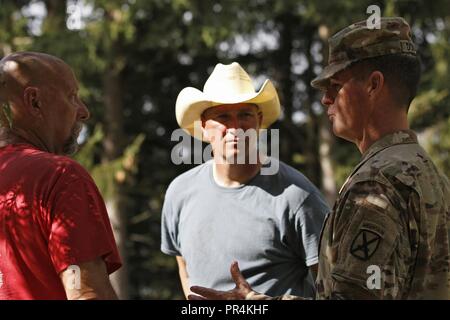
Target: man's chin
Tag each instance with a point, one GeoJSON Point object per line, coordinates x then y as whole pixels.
{"type": "Point", "coordinates": [71, 149]}
{"type": "Point", "coordinates": [343, 134]}
{"type": "Point", "coordinates": [238, 158]}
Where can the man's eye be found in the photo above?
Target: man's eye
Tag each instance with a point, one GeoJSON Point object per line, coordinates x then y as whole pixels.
{"type": "Point", "coordinates": [221, 116]}
{"type": "Point", "coordinates": [336, 86]}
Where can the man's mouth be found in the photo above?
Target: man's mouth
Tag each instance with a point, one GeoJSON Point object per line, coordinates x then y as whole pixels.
{"type": "Point", "coordinates": [232, 140]}
{"type": "Point", "coordinates": [77, 130]}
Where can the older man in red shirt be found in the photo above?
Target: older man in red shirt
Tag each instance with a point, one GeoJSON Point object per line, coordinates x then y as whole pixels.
{"type": "Point", "coordinates": [56, 240]}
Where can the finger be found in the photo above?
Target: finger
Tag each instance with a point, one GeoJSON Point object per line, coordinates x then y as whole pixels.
{"type": "Point", "coordinates": [207, 293]}
{"type": "Point", "coordinates": [195, 297]}
{"type": "Point", "coordinates": [236, 274]}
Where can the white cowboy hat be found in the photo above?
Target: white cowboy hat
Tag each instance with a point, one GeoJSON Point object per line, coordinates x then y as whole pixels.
{"type": "Point", "coordinates": [227, 84]}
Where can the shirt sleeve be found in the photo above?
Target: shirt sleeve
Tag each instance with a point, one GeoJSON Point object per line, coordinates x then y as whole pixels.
{"type": "Point", "coordinates": [310, 217]}
{"type": "Point", "coordinates": [169, 226]}
{"type": "Point", "coordinates": [369, 257]}
{"type": "Point", "coordinates": [80, 230]}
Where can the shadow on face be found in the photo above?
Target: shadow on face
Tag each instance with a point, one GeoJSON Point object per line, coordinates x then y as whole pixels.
{"type": "Point", "coordinates": [232, 130]}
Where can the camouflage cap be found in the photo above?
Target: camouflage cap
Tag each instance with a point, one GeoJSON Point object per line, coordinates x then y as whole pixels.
{"type": "Point", "coordinates": [357, 42]}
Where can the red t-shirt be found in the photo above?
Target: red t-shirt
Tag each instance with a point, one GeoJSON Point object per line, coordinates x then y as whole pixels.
{"type": "Point", "coordinates": [51, 216]}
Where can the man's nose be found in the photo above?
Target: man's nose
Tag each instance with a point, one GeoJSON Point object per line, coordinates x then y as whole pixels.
{"type": "Point", "coordinates": [234, 122]}
{"type": "Point", "coordinates": [327, 99]}
{"type": "Point", "coordinates": [83, 112]}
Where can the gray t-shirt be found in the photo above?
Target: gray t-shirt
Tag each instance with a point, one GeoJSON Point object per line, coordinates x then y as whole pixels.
{"type": "Point", "coordinates": [271, 226]}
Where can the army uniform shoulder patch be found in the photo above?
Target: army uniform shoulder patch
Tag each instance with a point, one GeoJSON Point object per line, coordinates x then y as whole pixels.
{"type": "Point", "coordinates": [365, 244]}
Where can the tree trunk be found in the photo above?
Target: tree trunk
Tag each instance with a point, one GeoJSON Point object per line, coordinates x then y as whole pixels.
{"type": "Point", "coordinates": [326, 138]}
{"type": "Point", "coordinates": [282, 63]}
{"type": "Point", "coordinates": [114, 146]}
{"type": "Point", "coordinates": [326, 163]}
{"type": "Point", "coordinates": [312, 139]}
{"type": "Point", "coordinates": [56, 16]}
{"type": "Point", "coordinates": [119, 279]}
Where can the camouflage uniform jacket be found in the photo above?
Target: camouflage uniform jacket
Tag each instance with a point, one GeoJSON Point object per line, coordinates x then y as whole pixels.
{"type": "Point", "coordinates": [388, 234]}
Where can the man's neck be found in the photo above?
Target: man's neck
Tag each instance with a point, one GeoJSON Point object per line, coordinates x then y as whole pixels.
{"type": "Point", "coordinates": [375, 131]}
{"type": "Point", "coordinates": [8, 137]}
{"type": "Point", "coordinates": [234, 175]}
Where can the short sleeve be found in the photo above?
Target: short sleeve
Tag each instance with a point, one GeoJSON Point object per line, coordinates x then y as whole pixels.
{"type": "Point", "coordinates": [372, 245]}
{"type": "Point", "coordinates": [310, 217]}
{"type": "Point", "coordinates": [80, 230]}
{"type": "Point", "coordinates": [169, 226]}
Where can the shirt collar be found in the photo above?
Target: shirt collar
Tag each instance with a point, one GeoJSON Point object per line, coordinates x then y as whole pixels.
{"type": "Point", "coordinates": [389, 140]}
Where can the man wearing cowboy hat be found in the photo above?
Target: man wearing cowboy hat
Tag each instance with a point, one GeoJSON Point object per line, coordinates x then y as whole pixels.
{"type": "Point", "coordinates": [225, 210]}
{"type": "Point", "coordinates": [388, 234]}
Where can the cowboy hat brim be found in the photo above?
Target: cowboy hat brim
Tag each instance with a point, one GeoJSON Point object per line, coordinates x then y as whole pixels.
{"type": "Point", "coordinates": [191, 103]}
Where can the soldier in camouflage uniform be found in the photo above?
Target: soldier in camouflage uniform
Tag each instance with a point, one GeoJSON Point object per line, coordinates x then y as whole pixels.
{"type": "Point", "coordinates": [388, 234]}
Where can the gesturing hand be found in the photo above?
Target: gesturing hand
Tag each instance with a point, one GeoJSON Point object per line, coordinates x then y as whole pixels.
{"type": "Point", "coordinates": [240, 292]}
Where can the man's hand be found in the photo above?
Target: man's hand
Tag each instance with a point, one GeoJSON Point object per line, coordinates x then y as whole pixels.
{"type": "Point", "coordinates": [240, 292]}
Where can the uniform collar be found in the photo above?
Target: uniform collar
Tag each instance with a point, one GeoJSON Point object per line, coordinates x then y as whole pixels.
{"type": "Point", "coordinates": [389, 140]}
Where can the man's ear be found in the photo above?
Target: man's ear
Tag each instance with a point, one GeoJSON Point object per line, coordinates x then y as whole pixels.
{"type": "Point", "coordinates": [204, 132]}
{"type": "Point", "coordinates": [375, 83]}
{"type": "Point", "coordinates": [31, 97]}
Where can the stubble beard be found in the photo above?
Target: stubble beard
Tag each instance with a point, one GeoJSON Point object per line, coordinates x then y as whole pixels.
{"type": "Point", "coordinates": [71, 146]}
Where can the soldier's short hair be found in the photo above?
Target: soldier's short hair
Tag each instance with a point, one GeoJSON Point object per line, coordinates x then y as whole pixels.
{"type": "Point", "coordinates": [401, 72]}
